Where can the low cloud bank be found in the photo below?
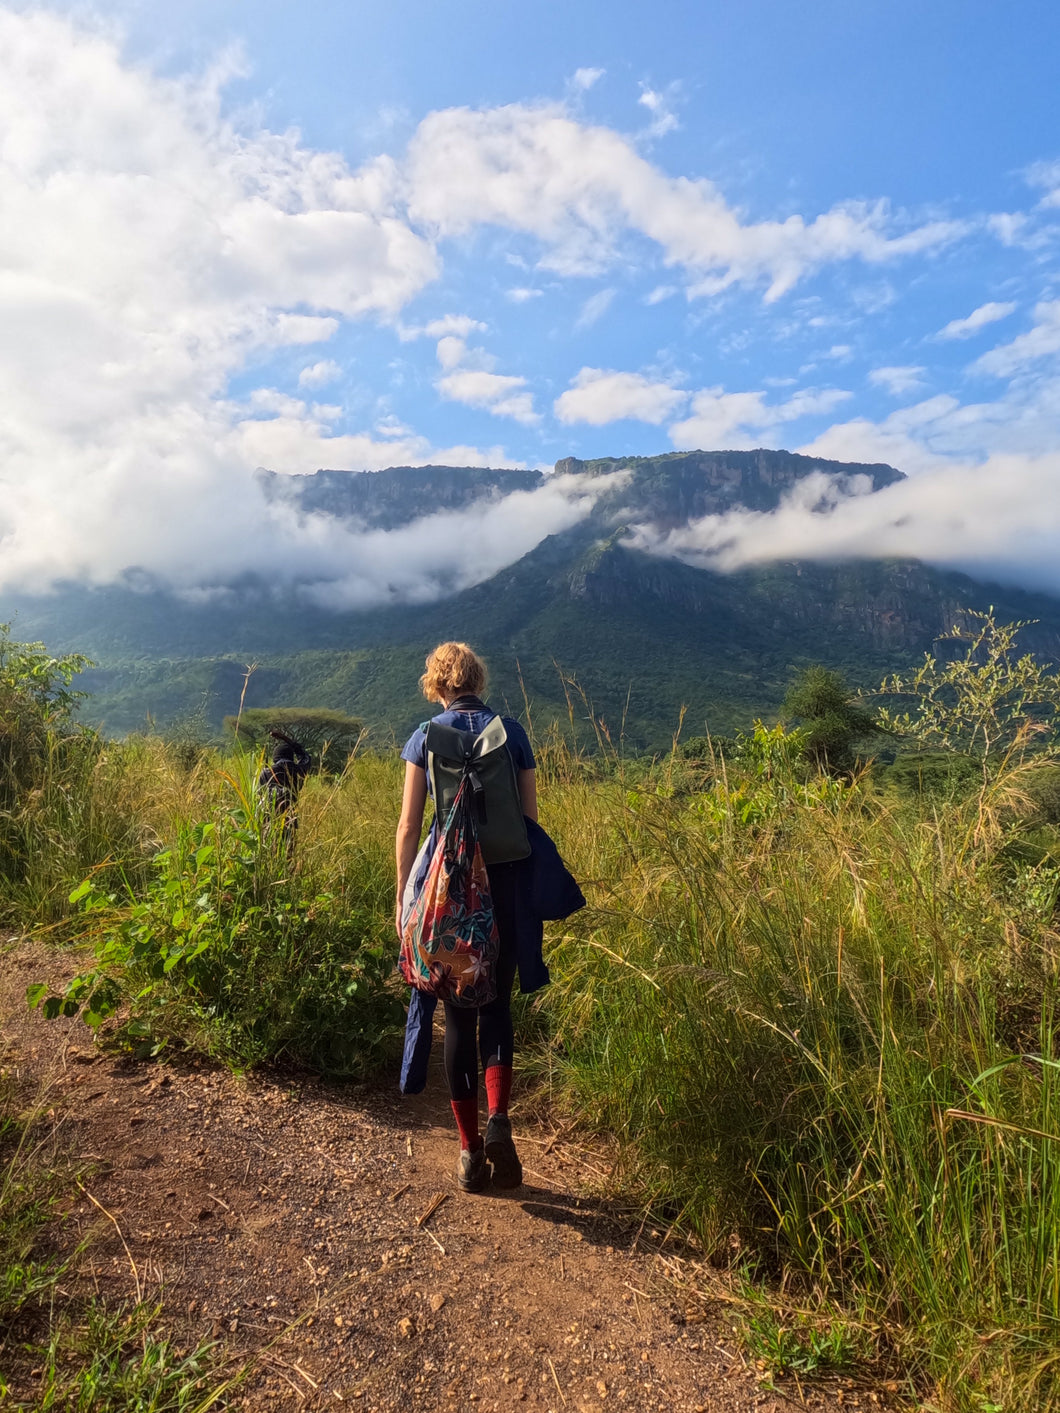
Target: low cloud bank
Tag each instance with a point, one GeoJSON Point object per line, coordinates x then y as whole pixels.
{"type": "Point", "coordinates": [999, 520]}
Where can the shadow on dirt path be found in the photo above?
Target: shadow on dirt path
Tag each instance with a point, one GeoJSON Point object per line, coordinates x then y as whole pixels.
{"type": "Point", "coordinates": [280, 1215]}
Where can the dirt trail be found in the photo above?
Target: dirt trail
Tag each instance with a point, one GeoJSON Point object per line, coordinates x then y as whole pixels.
{"type": "Point", "coordinates": [255, 1202]}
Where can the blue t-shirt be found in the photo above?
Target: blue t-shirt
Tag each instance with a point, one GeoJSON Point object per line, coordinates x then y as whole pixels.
{"type": "Point", "coordinates": [472, 718]}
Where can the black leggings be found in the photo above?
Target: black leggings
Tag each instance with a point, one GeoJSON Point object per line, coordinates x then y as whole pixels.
{"type": "Point", "coordinates": [490, 1024]}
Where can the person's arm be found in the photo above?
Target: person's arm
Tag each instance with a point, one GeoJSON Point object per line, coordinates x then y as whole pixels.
{"type": "Point", "coordinates": [528, 793]}
{"type": "Point", "coordinates": [410, 826]}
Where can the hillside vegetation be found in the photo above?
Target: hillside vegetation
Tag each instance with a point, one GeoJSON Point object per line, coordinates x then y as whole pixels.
{"type": "Point", "coordinates": [817, 1014]}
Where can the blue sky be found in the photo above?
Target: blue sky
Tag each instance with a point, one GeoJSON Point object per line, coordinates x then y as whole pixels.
{"type": "Point", "coordinates": [352, 235]}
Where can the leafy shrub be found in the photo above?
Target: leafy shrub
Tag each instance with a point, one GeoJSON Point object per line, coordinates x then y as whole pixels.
{"type": "Point", "coordinates": [54, 822]}
{"type": "Point", "coordinates": [831, 721]}
{"type": "Point", "coordinates": [227, 949]}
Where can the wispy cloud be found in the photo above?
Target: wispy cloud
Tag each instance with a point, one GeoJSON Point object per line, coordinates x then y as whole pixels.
{"type": "Point", "coordinates": [460, 326]}
{"type": "Point", "coordinates": [660, 105]}
{"type": "Point", "coordinates": [999, 520]}
{"type": "Point", "coordinates": [978, 319]}
{"type": "Point", "coordinates": [898, 380]}
{"type": "Point", "coordinates": [584, 79]}
{"type": "Point", "coordinates": [1046, 175]}
{"type": "Point", "coordinates": [579, 189]}
{"type": "Point", "coordinates": [1039, 342]}
{"type": "Point", "coordinates": [594, 308]}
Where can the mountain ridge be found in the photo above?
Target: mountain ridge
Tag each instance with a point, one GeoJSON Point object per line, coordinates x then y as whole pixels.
{"type": "Point", "coordinates": [645, 635]}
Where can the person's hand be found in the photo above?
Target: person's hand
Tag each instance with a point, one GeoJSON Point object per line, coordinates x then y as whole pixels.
{"type": "Point", "coordinates": [397, 918]}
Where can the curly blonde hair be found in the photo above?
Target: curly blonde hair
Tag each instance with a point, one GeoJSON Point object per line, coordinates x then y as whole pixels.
{"type": "Point", "coordinates": [452, 670]}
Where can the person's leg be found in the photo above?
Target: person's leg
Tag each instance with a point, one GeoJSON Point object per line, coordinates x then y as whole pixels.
{"type": "Point", "coordinates": [496, 1034]}
{"type": "Point", "coordinates": [461, 1072]}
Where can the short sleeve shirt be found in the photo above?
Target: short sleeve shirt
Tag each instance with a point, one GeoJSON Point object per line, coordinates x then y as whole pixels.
{"type": "Point", "coordinates": [474, 718]}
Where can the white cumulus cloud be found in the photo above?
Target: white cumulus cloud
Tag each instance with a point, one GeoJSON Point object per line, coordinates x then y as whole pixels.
{"type": "Point", "coordinates": [578, 188]}
{"type": "Point", "coordinates": [599, 396]}
{"type": "Point", "coordinates": [150, 247]}
{"type": "Point", "coordinates": [494, 392]}
{"type": "Point", "coordinates": [320, 375]}
{"type": "Point", "coordinates": [735, 420]}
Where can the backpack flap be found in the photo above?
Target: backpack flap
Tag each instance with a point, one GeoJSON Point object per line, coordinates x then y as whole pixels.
{"type": "Point", "coordinates": [487, 763]}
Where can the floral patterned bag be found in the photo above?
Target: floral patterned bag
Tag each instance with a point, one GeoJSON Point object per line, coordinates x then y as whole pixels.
{"type": "Point", "coordinates": [449, 940]}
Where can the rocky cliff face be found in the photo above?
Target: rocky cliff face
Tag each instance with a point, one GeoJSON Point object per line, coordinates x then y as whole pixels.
{"type": "Point", "coordinates": [666, 490]}
{"type": "Point", "coordinates": [670, 490]}
{"type": "Point", "coordinates": [386, 499]}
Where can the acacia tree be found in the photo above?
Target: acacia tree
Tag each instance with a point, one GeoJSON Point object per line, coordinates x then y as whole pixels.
{"type": "Point", "coordinates": [831, 720]}
{"type": "Point", "coordinates": [991, 703]}
{"type": "Point", "coordinates": [329, 736]}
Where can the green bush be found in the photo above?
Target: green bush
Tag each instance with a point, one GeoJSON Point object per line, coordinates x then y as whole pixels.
{"type": "Point", "coordinates": [230, 947]}
{"type": "Point", "coordinates": [59, 809]}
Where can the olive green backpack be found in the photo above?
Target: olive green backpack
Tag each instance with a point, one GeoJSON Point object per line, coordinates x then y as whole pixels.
{"type": "Point", "coordinates": [487, 764]}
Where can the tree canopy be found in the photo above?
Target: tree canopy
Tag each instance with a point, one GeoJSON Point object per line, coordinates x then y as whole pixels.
{"type": "Point", "coordinates": [330, 737]}
{"type": "Point", "coordinates": [831, 720]}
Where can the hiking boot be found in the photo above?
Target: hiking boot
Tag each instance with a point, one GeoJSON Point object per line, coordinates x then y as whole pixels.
{"type": "Point", "coordinates": [500, 1150]}
{"type": "Point", "coordinates": [472, 1170]}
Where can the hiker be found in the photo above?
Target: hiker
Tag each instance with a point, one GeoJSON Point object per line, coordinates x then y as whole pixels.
{"type": "Point", "coordinates": [280, 783]}
{"type": "Point", "coordinates": [455, 677]}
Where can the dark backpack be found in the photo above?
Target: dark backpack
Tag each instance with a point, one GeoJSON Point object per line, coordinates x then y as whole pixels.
{"type": "Point", "coordinates": [485, 761]}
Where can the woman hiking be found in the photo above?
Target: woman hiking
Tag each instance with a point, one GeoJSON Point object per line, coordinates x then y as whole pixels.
{"type": "Point", "coordinates": [455, 677]}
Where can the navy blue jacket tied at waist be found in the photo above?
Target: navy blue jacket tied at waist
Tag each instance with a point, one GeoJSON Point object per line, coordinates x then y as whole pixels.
{"type": "Point", "coordinates": [548, 892]}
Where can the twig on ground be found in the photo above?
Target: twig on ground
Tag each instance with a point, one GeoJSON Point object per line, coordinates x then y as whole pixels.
{"type": "Point", "coordinates": [436, 1202]}
{"type": "Point", "coordinates": [432, 1236]}
{"type": "Point", "coordinates": [555, 1380]}
{"type": "Point", "coordinates": [112, 1218]}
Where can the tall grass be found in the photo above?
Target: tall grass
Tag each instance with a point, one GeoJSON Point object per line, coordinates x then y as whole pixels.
{"type": "Point", "coordinates": [823, 1028]}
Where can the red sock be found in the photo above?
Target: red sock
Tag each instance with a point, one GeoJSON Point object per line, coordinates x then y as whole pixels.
{"type": "Point", "coordinates": [465, 1111]}
{"type": "Point", "coordinates": [499, 1088]}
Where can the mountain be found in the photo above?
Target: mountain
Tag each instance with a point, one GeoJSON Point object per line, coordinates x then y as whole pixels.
{"type": "Point", "coordinates": [643, 635]}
